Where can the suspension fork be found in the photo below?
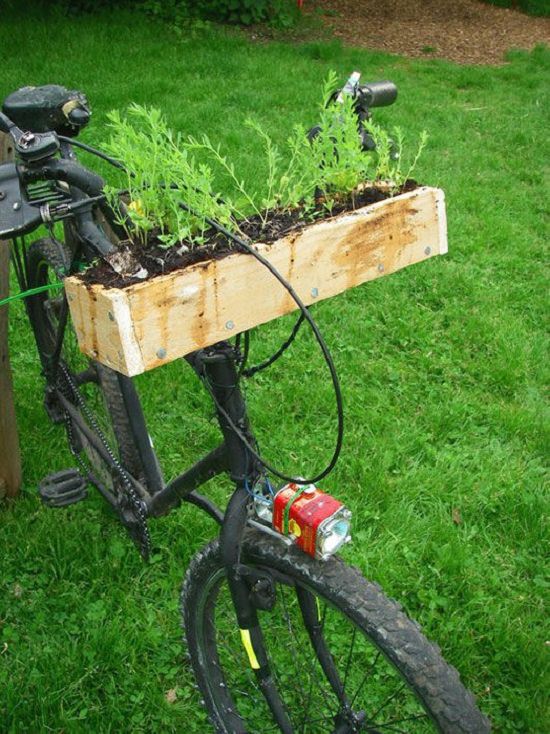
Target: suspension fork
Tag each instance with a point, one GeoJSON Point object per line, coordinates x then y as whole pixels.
{"type": "Point", "coordinates": [217, 366]}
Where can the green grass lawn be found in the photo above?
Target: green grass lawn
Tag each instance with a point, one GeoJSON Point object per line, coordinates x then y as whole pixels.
{"type": "Point", "coordinates": [443, 367]}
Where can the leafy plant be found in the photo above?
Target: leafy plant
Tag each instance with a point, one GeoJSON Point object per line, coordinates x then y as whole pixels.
{"type": "Point", "coordinates": [160, 172]}
{"type": "Point", "coordinates": [389, 155]}
{"type": "Point", "coordinates": [330, 163]}
{"type": "Point", "coordinates": [286, 188]}
{"type": "Point", "coordinates": [325, 165]}
{"type": "Point", "coordinates": [247, 200]}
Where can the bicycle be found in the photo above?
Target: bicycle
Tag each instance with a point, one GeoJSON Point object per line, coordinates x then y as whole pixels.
{"type": "Point", "coordinates": [279, 638]}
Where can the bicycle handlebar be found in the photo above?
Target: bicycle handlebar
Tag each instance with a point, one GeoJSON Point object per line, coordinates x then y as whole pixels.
{"type": "Point", "coordinates": [61, 169]}
{"type": "Point", "coordinates": [377, 94]}
{"type": "Point", "coordinates": [6, 125]}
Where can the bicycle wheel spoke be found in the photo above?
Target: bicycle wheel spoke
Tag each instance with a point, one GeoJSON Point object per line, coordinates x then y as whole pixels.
{"type": "Point", "coordinates": [391, 724]}
{"type": "Point", "coordinates": [365, 678]}
{"type": "Point", "coordinates": [306, 708]}
{"type": "Point", "coordinates": [349, 656]}
{"type": "Point", "coordinates": [389, 700]}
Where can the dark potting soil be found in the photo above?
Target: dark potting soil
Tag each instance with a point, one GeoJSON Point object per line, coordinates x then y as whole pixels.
{"type": "Point", "coordinates": [157, 259]}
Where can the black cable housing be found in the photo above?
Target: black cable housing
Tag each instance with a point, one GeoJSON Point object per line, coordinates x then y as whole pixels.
{"type": "Point", "coordinates": [251, 371]}
{"type": "Point", "coordinates": [94, 151]}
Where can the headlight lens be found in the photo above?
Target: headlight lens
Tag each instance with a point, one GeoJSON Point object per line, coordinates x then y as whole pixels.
{"type": "Point", "coordinates": [333, 533]}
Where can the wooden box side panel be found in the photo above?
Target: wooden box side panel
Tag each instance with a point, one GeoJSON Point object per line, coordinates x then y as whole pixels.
{"type": "Point", "coordinates": [104, 326]}
{"type": "Point", "coordinates": [149, 324]}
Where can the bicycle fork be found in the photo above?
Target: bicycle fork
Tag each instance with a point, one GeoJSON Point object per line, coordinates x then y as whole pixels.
{"type": "Point", "coordinates": [217, 366]}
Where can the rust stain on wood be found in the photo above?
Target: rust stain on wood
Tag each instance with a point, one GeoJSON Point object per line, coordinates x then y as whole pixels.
{"type": "Point", "coordinates": [197, 324]}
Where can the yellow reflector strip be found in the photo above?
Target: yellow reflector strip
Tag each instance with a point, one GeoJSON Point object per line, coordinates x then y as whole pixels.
{"type": "Point", "coordinates": [247, 642]}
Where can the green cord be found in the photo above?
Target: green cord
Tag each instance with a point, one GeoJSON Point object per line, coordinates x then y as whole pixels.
{"type": "Point", "coordinates": [289, 504]}
{"type": "Point", "coordinates": [31, 292]}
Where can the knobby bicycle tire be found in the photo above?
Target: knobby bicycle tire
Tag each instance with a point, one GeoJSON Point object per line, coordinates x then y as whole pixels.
{"type": "Point", "coordinates": [413, 690]}
{"type": "Point", "coordinates": [45, 261]}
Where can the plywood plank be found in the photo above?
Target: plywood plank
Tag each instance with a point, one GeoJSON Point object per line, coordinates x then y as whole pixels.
{"type": "Point", "coordinates": [151, 323]}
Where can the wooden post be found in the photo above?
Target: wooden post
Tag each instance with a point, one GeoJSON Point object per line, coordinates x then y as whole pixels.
{"type": "Point", "coordinates": [10, 460]}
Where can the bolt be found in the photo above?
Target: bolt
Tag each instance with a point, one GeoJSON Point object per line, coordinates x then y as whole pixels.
{"type": "Point", "coordinates": [427, 251]}
{"type": "Point", "coordinates": [380, 268]}
{"type": "Point", "coordinates": [161, 353]}
{"type": "Point", "coordinates": [111, 317]}
{"type": "Point", "coordinates": [17, 205]}
{"type": "Point", "coordinates": [314, 292]}
{"type": "Point", "coordinates": [229, 325]}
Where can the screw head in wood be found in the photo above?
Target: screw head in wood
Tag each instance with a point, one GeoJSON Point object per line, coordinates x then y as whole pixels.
{"type": "Point", "coordinates": [315, 292]}
{"type": "Point", "coordinates": [380, 268]}
{"type": "Point", "coordinates": [428, 250]}
{"type": "Point", "coordinates": [229, 325]}
{"type": "Point", "coordinates": [161, 353]}
{"type": "Point", "coordinates": [111, 316]}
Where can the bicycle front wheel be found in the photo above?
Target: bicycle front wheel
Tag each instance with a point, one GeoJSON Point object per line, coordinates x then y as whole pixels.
{"type": "Point", "coordinates": [389, 677]}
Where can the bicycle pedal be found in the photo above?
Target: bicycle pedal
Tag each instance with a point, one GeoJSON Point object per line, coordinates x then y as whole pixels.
{"type": "Point", "coordinates": [63, 488]}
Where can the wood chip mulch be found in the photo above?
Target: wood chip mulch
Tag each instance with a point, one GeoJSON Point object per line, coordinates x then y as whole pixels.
{"type": "Point", "coordinates": [464, 31]}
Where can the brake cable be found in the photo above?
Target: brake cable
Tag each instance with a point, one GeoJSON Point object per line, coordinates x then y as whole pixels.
{"type": "Point", "coordinates": [94, 151]}
{"type": "Point", "coordinates": [250, 371]}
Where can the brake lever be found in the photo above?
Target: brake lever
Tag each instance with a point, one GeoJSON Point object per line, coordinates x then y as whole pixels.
{"type": "Point", "coordinates": [29, 146]}
{"type": "Point", "coordinates": [32, 147]}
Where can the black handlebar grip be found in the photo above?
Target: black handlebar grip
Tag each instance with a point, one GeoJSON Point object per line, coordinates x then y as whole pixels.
{"type": "Point", "coordinates": [60, 169]}
{"type": "Point", "coordinates": [378, 94]}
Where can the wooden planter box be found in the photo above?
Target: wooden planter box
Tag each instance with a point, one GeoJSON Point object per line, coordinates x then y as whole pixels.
{"type": "Point", "coordinates": [142, 326]}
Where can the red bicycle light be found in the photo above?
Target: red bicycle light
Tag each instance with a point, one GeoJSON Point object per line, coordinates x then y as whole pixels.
{"type": "Point", "coordinates": [317, 522]}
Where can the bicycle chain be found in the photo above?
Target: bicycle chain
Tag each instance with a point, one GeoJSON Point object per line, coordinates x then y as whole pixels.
{"type": "Point", "coordinates": [142, 537]}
